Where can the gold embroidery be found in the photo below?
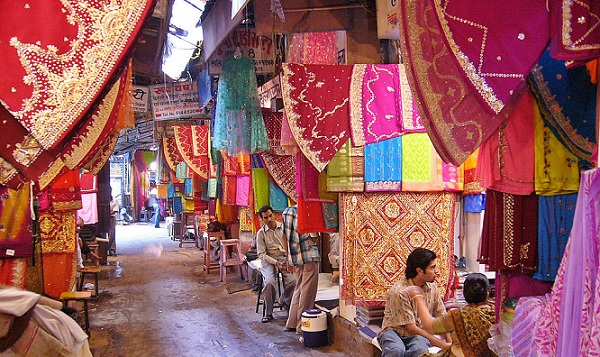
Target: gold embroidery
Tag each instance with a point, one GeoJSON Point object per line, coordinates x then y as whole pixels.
{"type": "Point", "coordinates": [508, 228]}
{"type": "Point", "coordinates": [7, 172]}
{"type": "Point", "coordinates": [574, 44]}
{"type": "Point", "coordinates": [53, 171]}
{"type": "Point", "coordinates": [99, 160]}
{"type": "Point", "coordinates": [65, 84]}
{"type": "Point", "coordinates": [27, 151]}
{"type": "Point", "coordinates": [524, 251]}
{"type": "Point", "coordinates": [356, 114]}
{"type": "Point", "coordinates": [290, 102]}
{"type": "Point", "coordinates": [88, 139]}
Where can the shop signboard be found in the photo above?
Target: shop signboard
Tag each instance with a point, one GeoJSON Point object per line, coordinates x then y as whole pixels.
{"type": "Point", "coordinates": [175, 100]}
{"type": "Point", "coordinates": [141, 95]}
{"type": "Point", "coordinates": [259, 48]}
{"type": "Point", "coordinates": [387, 19]}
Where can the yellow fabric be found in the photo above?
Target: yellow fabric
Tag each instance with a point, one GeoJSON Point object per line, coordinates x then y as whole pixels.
{"type": "Point", "coordinates": [556, 168]}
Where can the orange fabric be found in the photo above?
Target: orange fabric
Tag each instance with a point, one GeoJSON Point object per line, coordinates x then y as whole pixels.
{"type": "Point", "coordinates": [59, 273]}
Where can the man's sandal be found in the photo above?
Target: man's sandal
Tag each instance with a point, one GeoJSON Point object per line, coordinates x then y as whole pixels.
{"type": "Point", "coordinates": [266, 319]}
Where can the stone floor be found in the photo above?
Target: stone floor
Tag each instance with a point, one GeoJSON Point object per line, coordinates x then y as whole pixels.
{"type": "Point", "coordinates": [155, 300]}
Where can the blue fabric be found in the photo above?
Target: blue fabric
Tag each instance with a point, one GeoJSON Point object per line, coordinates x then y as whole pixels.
{"type": "Point", "coordinates": [383, 165]}
{"type": "Point", "coordinates": [177, 205]}
{"type": "Point", "coordinates": [204, 88]}
{"type": "Point", "coordinates": [330, 214]}
{"type": "Point", "coordinates": [475, 203]}
{"type": "Point", "coordinates": [567, 96]}
{"type": "Point", "coordinates": [555, 220]}
{"type": "Point", "coordinates": [277, 198]}
{"type": "Point", "coordinates": [189, 188]}
{"type": "Point", "coordinates": [170, 190]}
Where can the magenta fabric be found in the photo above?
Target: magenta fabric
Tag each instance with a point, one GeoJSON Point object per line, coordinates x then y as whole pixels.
{"type": "Point", "coordinates": [243, 190]}
{"type": "Point", "coordinates": [465, 62]}
{"type": "Point", "coordinates": [381, 104]}
{"type": "Point", "coordinates": [514, 285]}
{"type": "Point", "coordinates": [575, 27]}
{"type": "Point", "coordinates": [375, 103]}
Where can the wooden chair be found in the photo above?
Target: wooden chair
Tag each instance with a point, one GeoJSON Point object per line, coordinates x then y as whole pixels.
{"type": "Point", "coordinates": [217, 236]}
{"type": "Point", "coordinates": [83, 296]}
{"type": "Point", "coordinates": [188, 222]}
{"type": "Point", "coordinates": [231, 256]}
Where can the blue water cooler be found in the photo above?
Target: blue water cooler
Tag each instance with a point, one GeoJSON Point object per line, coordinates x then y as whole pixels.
{"type": "Point", "coordinates": [314, 328]}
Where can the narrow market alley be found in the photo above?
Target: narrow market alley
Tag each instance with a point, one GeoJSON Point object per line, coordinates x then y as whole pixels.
{"type": "Point", "coordinates": [156, 300]}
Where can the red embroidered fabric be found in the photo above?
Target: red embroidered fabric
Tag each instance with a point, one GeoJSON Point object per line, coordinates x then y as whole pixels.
{"type": "Point", "coordinates": [315, 99]}
{"type": "Point", "coordinates": [52, 75]}
{"type": "Point", "coordinates": [192, 144]}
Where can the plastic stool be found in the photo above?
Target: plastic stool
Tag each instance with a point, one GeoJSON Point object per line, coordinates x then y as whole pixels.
{"type": "Point", "coordinates": [231, 258]}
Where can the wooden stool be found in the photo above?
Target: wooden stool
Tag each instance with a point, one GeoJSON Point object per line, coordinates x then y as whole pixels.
{"type": "Point", "coordinates": [94, 248]}
{"type": "Point", "coordinates": [218, 236]}
{"type": "Point", "coordinates": [85, 271]}
{"type": "Point", "coordinates": [84, 296]}
{"type": "Point", "coordinates": [231, 258]}
{"type": "Point", "coordinates": [188, 220]}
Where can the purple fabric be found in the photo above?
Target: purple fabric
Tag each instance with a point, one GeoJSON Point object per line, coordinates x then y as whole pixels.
{"type": "Point", "coordinates": [568, 321]}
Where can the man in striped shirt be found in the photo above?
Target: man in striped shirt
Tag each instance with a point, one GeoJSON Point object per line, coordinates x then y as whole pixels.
{"type": "Point", "coordinates": [303, 253]}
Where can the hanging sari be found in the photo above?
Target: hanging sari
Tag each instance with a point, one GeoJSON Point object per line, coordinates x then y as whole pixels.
{"type": "Point", "coordinates": [566, 322]}
{"type": "Point", "coordinates": [383, 165]}
{"type": "Point", "coordinates": [422, 168]}
{"type": "Point", "coordinates": [345, 172]}
{"type": "Point", "coordinates": [556, 168]}
{"type": "Point", "coordinates": [556, 215]}
{"type": "Point", "coordinates": [315, 99]}
{"type": "Point", "coordinates": [567, 102]}
{"type": "Point", "coordinates": [16, 240]}
{"type": "Point", "coordinates": [239, 125]}
{"type": "Point", "coordinates": [575, 25]}
{"type": "Point", "coordinates": [464, 63]}
{"type": "Point", "coordinates": [506, 159]}
{"type": "Point", "coordinates": [510, 228]}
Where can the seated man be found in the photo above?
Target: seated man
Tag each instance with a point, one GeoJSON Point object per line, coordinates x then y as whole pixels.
{"type": "Point", "coordinates": [402, 332]}
{"type": "Point", "coordinates": [82, 247]}
{"type": "Point", "coordinates": [271, 250]}
{"type": "Point", "coordinates": [34, 325]}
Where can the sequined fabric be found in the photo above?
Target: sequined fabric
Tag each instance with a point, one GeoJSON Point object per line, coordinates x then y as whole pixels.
{"type": "Point", "coordinates": [239, 126]}
{"type": "Point", "coordinates": [316, 103]}
{"type": "Point", "coordinates": [53, 74]}
{"type": "Point", "coordinates": [465, 62]}
{"type": "Point", "coordinates": [567, 102]}
{"type": "Point", "coordinates": [510, 229]}
{"type": "Point", "coordinates": [576, 28]}
{"type": "Point", "coordinates": [381, 229]}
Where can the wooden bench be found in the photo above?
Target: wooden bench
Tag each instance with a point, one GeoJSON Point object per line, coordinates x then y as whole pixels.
{"type": "Point", "coordinates": [89, 271]}
{"type": "Point", "coordinates": [83, 296]}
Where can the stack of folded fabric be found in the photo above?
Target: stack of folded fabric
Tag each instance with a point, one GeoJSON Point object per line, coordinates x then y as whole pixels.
{"type": "Point", "coordinates": [370, 312]}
